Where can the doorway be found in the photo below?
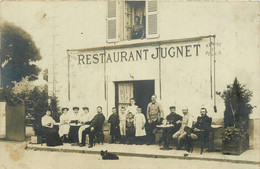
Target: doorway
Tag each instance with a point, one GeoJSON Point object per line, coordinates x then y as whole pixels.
{"type": "Point", "coordinates": [140, 90]}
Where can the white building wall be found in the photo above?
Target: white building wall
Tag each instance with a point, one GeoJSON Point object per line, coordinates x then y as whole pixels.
{"type": "Point", "coordinates": [82, 24]}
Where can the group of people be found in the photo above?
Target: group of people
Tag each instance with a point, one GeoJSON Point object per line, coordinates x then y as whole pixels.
{"type": "Point", "coordinates": [128, 126]}
{"type": "Point", "coordinates": [84, 124]}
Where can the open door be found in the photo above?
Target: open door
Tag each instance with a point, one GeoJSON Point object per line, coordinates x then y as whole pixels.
{"type": "Point", "coordinates": [141, 91]}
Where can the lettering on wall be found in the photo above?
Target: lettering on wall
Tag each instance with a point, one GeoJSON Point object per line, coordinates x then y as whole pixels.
{"type": "Point", "coordinates": [138, 55]}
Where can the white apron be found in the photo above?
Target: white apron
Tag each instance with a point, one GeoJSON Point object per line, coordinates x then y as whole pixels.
{"type": "Point", "coordinates": [139, 121]}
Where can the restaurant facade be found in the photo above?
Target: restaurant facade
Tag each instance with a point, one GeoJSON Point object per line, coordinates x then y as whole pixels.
{"type": "Point", "coordinates": [184, 56]}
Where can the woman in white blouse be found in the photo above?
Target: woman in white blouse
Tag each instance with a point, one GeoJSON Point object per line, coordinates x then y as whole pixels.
{"type": "Point", "coordinates": [51, 134]}
{"type": "Point", "coordinates": [132, 108]}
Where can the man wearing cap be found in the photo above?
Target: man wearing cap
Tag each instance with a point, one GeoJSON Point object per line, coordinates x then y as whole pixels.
{"type": "Point", "coordinates": [187, 120]}
{"type": "Point", "coordinates": [86, 117]}
{"type": "Point", "coordinates": [154, 117]}
{"type": "Point", "coordinates": [95, 126]}
{"type": "Point", "coordinates": [51, 134]}
{"type": "Point", "coordinates": [64, 127]}
{"type": "Point", "coordinates": [172, 118]}
{"type": "Point", "coordinates": [74, 119]}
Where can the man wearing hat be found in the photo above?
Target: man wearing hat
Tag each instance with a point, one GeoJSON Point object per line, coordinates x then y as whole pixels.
{"type": "Point", "coordinates": [86, 117]}
{"type": "Point", "coordinates": [74, 119]}
{"type": "Point", "coordinates": [172, 118]}
{"type": "Point", "coordinates": [64, 127]}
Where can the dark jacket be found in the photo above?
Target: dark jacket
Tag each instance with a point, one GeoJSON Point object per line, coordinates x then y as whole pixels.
{"type": "Point", "coordinates": [114, 121]}
{"type": "Point", "coordinates": [98, 121]}
{"type": "Point", "coordinates": [203, 123]}
{"type": "Point", "coordinates": [172, 118]}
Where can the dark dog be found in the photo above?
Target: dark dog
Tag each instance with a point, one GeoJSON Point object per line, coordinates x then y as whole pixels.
{"type": "Point", "coordinates": [108, 156]}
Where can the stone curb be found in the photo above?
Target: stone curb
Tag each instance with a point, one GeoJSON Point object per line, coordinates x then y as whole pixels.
{"type": "Point", "coordinates": [141, 155]}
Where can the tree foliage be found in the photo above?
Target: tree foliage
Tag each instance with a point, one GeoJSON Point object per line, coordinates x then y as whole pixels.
{"type": "Point", "coordinates": [35, 98]}
{"type": "Point", "coordinates": [18, 52]}
{"type": "Point", "coordinates": [237, 105]}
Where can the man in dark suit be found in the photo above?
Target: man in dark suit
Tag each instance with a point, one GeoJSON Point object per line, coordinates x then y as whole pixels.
{"type": "Point", "coordinates": [172, 118]}
{"type": "Point", "coordinates": [200, 130]}
{"type": "Point", "coordinates": [95, 126]}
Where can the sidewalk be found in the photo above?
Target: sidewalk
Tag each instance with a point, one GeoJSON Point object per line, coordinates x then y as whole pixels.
{"type": "Point", "coordinates": [153, 151]}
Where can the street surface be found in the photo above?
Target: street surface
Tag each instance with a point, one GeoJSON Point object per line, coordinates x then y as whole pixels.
{"type": "Point", "coordinates": [14, 156]}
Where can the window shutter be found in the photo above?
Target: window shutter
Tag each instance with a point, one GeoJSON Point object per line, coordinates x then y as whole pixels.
{"type": "Point", "coordinates": [152, 27]}
{"type": "Point", "coordinates": [112, 21]}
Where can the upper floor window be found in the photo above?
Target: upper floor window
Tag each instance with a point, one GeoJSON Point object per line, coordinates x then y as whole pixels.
{"type": "Point", "coordinates": [128, 20]}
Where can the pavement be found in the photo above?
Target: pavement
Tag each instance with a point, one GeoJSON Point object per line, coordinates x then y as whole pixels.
{"type": "Point", "coordinates": [24, 155]}
{"type": "Point", "coordinates": [153, 151]}
{"type": "Point", "coordinates": [13, 155]}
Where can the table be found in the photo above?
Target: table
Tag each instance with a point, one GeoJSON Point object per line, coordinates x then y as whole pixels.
{"type": "Point", "coordinates": [76, 124]}
{"type": "Point", "coordinates": [73, 133]}
{"type": "Point", "coordinates": [165, 127]}
{"type": "Point", "coordinates": [214, 128]}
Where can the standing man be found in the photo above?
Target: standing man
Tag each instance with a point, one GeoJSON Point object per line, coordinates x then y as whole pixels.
{"type": "Point", "coordinates": [172, 118]}
{"type": "Point", "coordinates": [186, 121]}
{"type": "Point", "coordinates": [96, 125]}
{"type": "Point", "coordinates": [154, 117]}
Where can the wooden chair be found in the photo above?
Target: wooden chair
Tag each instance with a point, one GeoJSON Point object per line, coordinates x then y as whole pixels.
{"type": "Point", "coordinates": [202, 136]}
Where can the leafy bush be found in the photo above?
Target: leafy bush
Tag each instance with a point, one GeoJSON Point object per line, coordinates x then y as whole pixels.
{"type": "Point", "coordinates": [233, 134]}
{"type": "Point", "coordinates": [237, 109]}
{"type": "Point", "coordinates": [237, 105]}
{"type": "Point", "coordinates": [35, 98]}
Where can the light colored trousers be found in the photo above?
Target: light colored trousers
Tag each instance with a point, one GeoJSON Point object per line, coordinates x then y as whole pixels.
{"type": "Point", "coordinates": [181, 134]}
{"type": "Point", "coordinates": [122, 125]}
{"type": "Point", "coordinates": [81, 129]}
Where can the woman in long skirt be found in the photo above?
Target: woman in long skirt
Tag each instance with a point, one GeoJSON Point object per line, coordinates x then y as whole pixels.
{"type": "Point", "coordinates": [51, 134]}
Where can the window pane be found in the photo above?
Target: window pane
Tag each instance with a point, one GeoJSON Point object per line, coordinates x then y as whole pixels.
{"type": "Point", "coordinates": [111, 29]}
{"type": "Point", "coordinates": [152, 24]}
{"type": "Point", "coordinates": [111, 9]}
{"type": "Point", "coordinates": [152, 6]}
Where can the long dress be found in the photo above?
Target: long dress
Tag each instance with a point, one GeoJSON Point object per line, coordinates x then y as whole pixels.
{"type": "Point", "coordinates": [51, 134]}
{"type": "Point", "coordinates": [73, 132]}
{"type": "Point", "coordinates": [64, 127]}
{"type": "Point", "coordinates": [139, 122]}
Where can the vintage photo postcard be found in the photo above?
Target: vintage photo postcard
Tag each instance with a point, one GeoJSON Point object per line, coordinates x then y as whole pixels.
{"type": "Point", "coordinates": [129, 84]}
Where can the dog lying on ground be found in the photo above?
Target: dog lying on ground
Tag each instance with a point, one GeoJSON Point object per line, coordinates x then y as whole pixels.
{"type": "Point", "coordinates": [108, 156]}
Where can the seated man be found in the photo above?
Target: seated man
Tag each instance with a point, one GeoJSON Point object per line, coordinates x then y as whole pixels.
{"type": "Point", "coordinates": [96, 125]}
{"type": "Point", "coordinates": [186, 121]}
{"type": "Point", "coordinates": [51, 134]}
{"type": "Point", "coordinates": [172, 118]}
{"type": "Point", "coordinates": [199, 130]}
{"type": "Point", "coordinates": [86, 117]}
